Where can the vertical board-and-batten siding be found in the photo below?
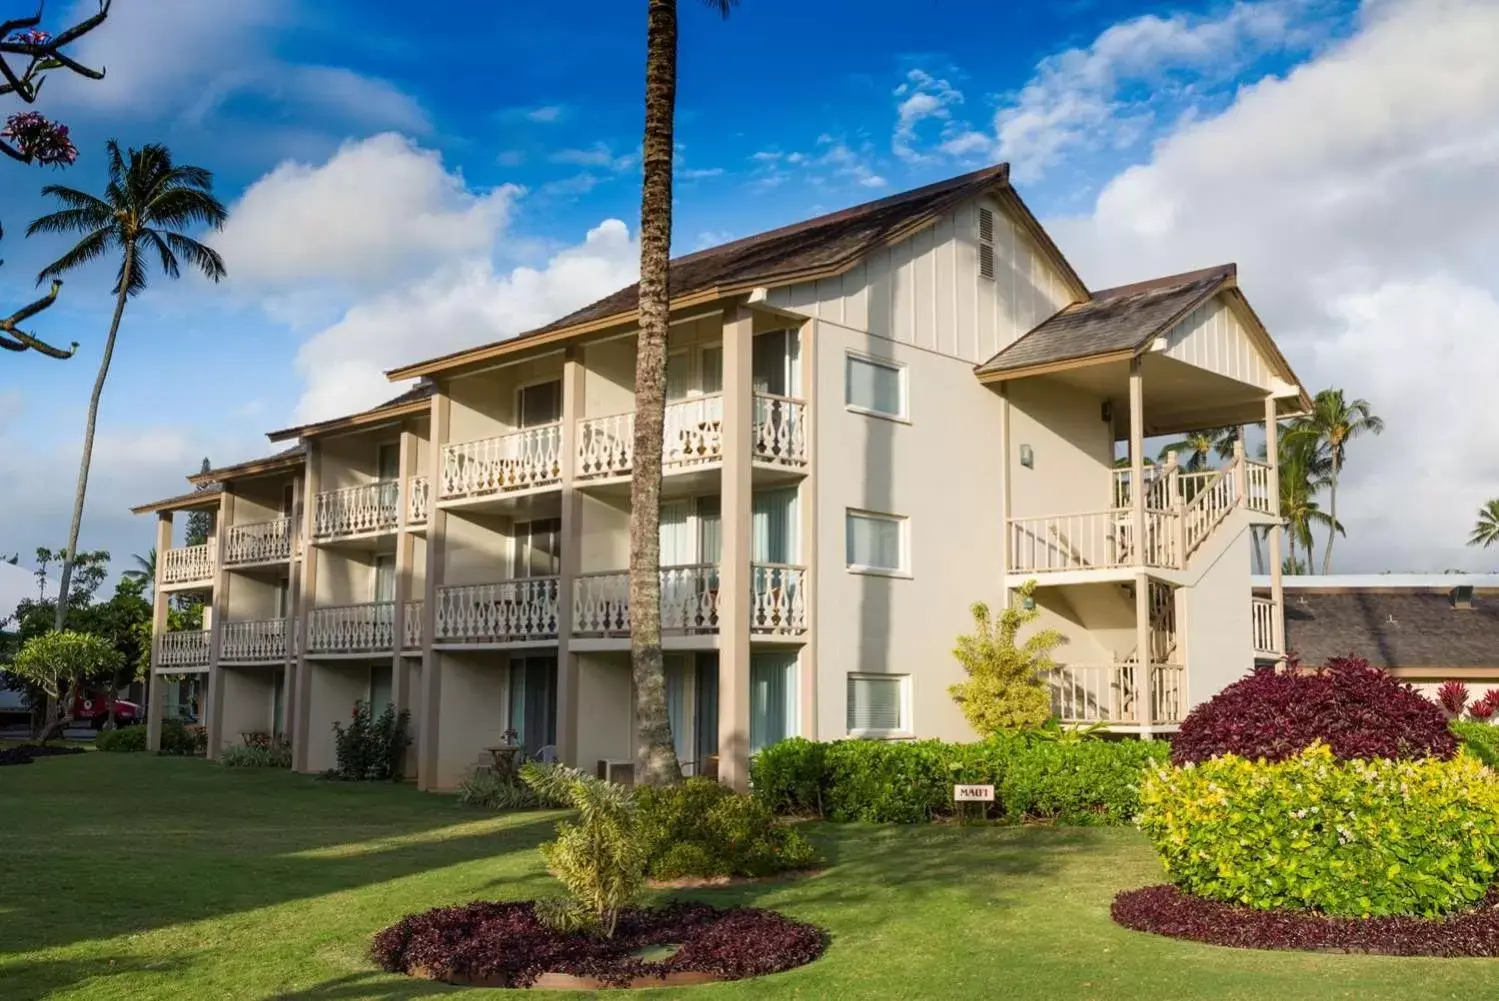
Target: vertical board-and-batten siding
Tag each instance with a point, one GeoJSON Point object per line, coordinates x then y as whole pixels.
{"type": "Point", "coordinates": [1213, 337]}
{"type": "Point", "coordinates": [926, 291]}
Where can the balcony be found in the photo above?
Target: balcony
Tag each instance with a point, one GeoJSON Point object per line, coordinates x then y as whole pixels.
{"type": "Point", "coordinates": [689, 601]}
{"type": "Point", "coordinates": [365, 628]}
{"type": "Point", "coordinates": [189, 564]}
{"type": "Point", "coordinates": [507, 463]}
{"type": "Point", "coordinates": [1262, 614]}
{"type": "Point", "coordinates": [262, 641]}
{"type": "Point", "coordinates": [1110, 693]}
{"type": "Point", "coordinates": [418, 500]}
{"type": "Point", "coordinates": [187, 648]}
{"type": "Point", "coordinates": [692, 435]}
{"type": "Point", "coordinates": [514, 611]}
{"type": "Point", "coordinates": [412, 635]}
{"type": "Point", "coordinates": [258, 542]}
{"type": "Point", "coordinates": [1181, 512]}
{"type": "Point", "coordinates": [371, 509]}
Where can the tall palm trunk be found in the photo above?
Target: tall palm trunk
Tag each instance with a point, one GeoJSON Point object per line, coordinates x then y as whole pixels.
{"type": "Point", "coordinates": [1332, 512]}
{"type": "Point", "coordinates": [59, 719]}
{"type": "Point", "coordinates": [655, 757]}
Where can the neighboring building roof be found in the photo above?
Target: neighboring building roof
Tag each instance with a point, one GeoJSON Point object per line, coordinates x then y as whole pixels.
{"type": "Point", "coordinates": [1113, 321]}
{"type": "Point", "coordinates": [205, 497]}
{"type": "Point", "coordinates": [412, 401]}
{"type": "Point", "coordinates": [1402, 629]}
{"type": "Point", "coordinates": [1384, 581]}
{"type": "Point", "coordinates": [809, 249]}
{"type": "Point", "coordinates": [286, 459]}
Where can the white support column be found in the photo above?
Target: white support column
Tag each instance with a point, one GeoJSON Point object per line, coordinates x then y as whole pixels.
{"type": "Point", "coordinates": [220, 612]}
{"type": "Point", "coordinates": [1137, 462]}
{"type": "Point", "coordinates": [734, 567]}
{"type": "Point", "coordinates": [293, 608]}
{"type": "Point", "coordinates": [400, 673]}
{"type": "Point", "coordinates": [570, 550]}
{"type": "Point", "coordinates": [302, 721]}
{"type": "Point", "coordinates": [807, 668]}
{"type": "Point", "coordinates": [1276, 533]}
{"type": "Point", "coordinates": [1146, 710]}
{"type": "Point", "coordinates": [160, 605]}
{"type": "Point", "coordinates": [1006, 502]}
{"type": "Point", "coordinates": [437, 528]}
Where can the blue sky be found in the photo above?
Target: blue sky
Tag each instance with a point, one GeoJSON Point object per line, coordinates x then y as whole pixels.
{"type": "Point", "coordinates": [405, 188]}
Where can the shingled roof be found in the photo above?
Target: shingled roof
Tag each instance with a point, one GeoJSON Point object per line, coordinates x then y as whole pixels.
{"type": "Point", "coordinates": [1112, 320]}
{"type": "Point", "coordinates": [1394, 628]}
{"type": "Point", "coordinates": [416, 394]}
{"type": "Point", "coordinates": [286, 457]}
{"type": "Point", "coordinates": [202, 497]}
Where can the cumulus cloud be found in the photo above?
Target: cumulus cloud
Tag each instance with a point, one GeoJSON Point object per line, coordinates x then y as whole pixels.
{"type": "Point", "coordinates": [922, 96]}
{"type": "Point", "coordinates": [380, 208]}
{"type": "Point", "coordinates": [1356, 195]}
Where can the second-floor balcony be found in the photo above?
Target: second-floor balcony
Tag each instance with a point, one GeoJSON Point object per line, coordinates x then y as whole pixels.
{"type": "Point", "coordinates": [1115, 694]}
{"type": "Point", "coordinates": [369, 627]}
{"type": "Point", "coordinates": [259, 641]}
{"type": "Point", "coordinates": [186, 565]}
{"type": "Point", "coordinates": [513, 611]}
{"type": "Point", "coordinates": [259, 542]}
{"type": "Point", "coordinates": [690, 601]}
{"type": "Point", "coordinates": [369, 509]}
{"type": "Point", "coordinates": [522, 460]}
{"type": "Point", "coordinates": [692, 435]}
{"type": "Point", "coordinates": [187, 648]}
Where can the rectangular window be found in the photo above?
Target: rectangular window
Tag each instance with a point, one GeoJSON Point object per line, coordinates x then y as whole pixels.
{"type": "Point", "coordinates": [540, 404]}
{"type": "Point", "coordinates": [385, 577]}
{"type": "Point", "coordinates": [874, 387]}
{"type": "Point", "coordinates": [878, 705]}
{"type": "Point", "coordinates": [278, 703]}
{"type": "Point", "coordinates": [388, 462]}
{"type": "Point", "coordinates": [876, 542]}
{"type": "Point", "coordinates": [705, 708]}
{"type": "Point", "coordinates": [537, 551]}
{"type": "Point", "coordinates": [381, 690]}
{"type": "Point", "coordinates": [773, 711]}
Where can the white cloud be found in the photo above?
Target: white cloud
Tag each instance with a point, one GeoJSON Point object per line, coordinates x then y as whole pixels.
{"type": "Point", "coordinates": [597, 155]}
{"type": "Point", "coordinates": [923, 96]}
{"type": "Point", "coordinates": [380, 208]}
{"type": "Point", "coordinates": [1356, 195]}
{"type": "Point", "coordinates": [546, 114]}
{"type": "Point", "coordinates": [458, 307]}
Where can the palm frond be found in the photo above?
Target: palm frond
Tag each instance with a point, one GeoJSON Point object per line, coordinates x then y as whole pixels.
{"type": "Point", "coordinates": [75, 199]}
{"type": "Point", "coordinates": [132, 275]}
{"type": "Point", "coordinates": [68, 221]}
{"type": "Point", "coordinates": [722, 6]}
{"type": "Point", "coordinates": [202, 256]}
{"type": "Point", "coordinates": [92, 247]}
{"type": "Point", "coordinates": [179, 207]}
{"type": "Point", "coordinates": [151, 238]}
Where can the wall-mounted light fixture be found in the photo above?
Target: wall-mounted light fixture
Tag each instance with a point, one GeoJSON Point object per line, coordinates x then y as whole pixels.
{"type": "Point", "coordinates": [1027, 457]}
{"type": "Point", "coordinates": [1028, 603]}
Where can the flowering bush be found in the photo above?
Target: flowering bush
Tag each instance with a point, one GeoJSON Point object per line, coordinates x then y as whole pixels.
{"type": "Point", "coordinates": [371, 748]}
{"type": "Point", "coordinates": [1356, 710]}
{"type": "Point", "coordinates": [700, 828]}
{"type": "Point", "coordinates": [1350, 838]}
{"type": "Point", "coordinates": [37, 138]}
{"type": "Point", "coordinates": [506, 944]}
{"type": "Point", "coordinates": [1166, 910]}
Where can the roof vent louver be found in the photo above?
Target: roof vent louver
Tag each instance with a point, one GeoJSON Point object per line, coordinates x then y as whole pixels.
{"type": "Point", "coordinates": [986, 244]}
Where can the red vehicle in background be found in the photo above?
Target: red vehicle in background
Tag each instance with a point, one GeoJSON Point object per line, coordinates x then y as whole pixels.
{"type": "Point", "coordinates": [92, 710]}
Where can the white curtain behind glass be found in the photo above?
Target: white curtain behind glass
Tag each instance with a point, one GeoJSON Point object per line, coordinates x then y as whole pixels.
{"type": "Point", "coordinates": [677, 668]}
{"type": "Point", "coordinates": [772, 698]}
{"type": "Point", "coordinates": [873, 387]}
{"type": "Point", "coordinates": [873, 542]}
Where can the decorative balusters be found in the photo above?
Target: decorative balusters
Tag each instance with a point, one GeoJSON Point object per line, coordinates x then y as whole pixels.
{"type": "Point", "coordinates": [368, 627]}
{"type": "Point", "coordinates": [418, 500]}
{"type": "Point", "coordinates": [411, 638]}
{"type": "Point", "coordinates": [361, 510]}
{"type": "Point", "coordinates": [605, 446]}
{"type": "Point", "coordinates": [514, 610]}
{"type": "Point", "coordinates": [258, 542]}
{"type": "Point", "coordinates": [1166, 682]}
{"type": "Point", "coordinates": [189, 564]}
{"type": "Point", "coordinates": [1111, 693]}
{"type": "Point", "coordinates": [689, 601]}
{"type": "Point", "coordinates": [692, 433]}
{"type": "Point", "coordinates": [1262, 614]}
{"type": "Point", "coordinates": [1257, 495]}
{"type": "Point", "coordinates": [779, 432]}
{"type": "Point", "coordinates": [255, 641]}
{"type": "Point", "coordinates": [778, 599]}
{"type": "Point", "coordinates": [601, 604]}
{"type": "Point", "coordinates": [185, 648]}
{"type": "Point", "coordinates": [519, 461]}
{"type": "Point", "coordinates": [1213, 502]}
{"type": "Point", "coordinates": [1095, 540]}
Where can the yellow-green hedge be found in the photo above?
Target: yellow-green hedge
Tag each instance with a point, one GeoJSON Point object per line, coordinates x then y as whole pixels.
{"type": "Point", "coordinates": [1353, 838]}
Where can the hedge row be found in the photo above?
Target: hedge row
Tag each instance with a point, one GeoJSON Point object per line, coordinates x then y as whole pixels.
{"type": "Point", "coordinates": [1082, 782]}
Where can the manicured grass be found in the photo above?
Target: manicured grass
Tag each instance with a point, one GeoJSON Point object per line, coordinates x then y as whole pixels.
{"type": "Point", "coordinates": [130, 876]}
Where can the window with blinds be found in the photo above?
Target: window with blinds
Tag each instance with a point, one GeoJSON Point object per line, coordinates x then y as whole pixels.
{"type": "Point", "coordinates": [877, 704]}
{"type": "Point", "coordinates": [986, 244]}
{"type": "Point", "coordinates": [874, 387]}
{"type": "Point", "coordinates": [875, 542]}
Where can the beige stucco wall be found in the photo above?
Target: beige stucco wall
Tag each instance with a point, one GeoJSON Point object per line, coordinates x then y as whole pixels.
{"type": "Point", "coordinates": [351, 460]}
{"type": "Point", "coordinates": [247, 701]}
{"type": "Point", "coordinates": [485, 404]}
{"type": "Point", "coordinates": [477, 548]}
{"type": "Point", "coordinates": [904, 625]}
{"type": "Point", "coordinates": [1098, 621]}
{"type": "Point", "coordinates": [1071, 445]}
{"type": "Point", "coordinates": [335, 686]}
{"type": "Point", "coordinates": [605, 716]}
{"type": "Point", "coordinates": [345, 576]}
{"type": "Point", "coordinates": [471, 712]}
{"type": "Point", "coordinates": [1217, 629]}
{"type": "Point", "coordinates": [605, 534]}
{"type": "Point", "coordinates": [250, 597]}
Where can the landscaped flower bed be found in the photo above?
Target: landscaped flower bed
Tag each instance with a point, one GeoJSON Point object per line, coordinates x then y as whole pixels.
{"type": "Point", "coordinates": [1167, 910]}
{"type": "Point", "coordinates": [507, 945]}
{"type": "Point", "coordinates": [25, 754]}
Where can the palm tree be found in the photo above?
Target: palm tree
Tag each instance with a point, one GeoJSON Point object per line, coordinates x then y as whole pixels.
{"type": "Point", "coordinates": [1201, 446]}
{"type": "Point", "coordinates": [655, 757]}
{"type": "Point", "coordinates": [144, 569]}
{"type": "Point", "coordinates": [1333, 422]}
{"type": "Point", "coordinates": [1486, 532]}
{"type": "Point", "coordinates": [1303, 472]}
{"type": "Point", "coordinates": [147, 203]}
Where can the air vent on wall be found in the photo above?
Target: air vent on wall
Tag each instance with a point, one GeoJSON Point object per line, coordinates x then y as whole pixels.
{"type": "Point", "coordinates": [986, 244]}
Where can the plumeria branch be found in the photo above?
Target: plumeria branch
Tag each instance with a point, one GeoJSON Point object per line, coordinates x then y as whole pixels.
{"type": "Point", "coordinates": [42, 52]}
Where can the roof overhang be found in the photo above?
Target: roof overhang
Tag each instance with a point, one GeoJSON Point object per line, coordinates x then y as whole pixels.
{"type": "Point", "coordinates": [198, 500]}
{"type": "Point", "coordinates": [353, 422]}
{"type": "Point", "coordinates": [247, 470]}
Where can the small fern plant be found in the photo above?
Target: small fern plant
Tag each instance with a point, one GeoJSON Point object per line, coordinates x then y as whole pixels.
{"type": "Point", "coordinates": [600, 859]}
{"type": "Point", "coordinates": [1006, 686]}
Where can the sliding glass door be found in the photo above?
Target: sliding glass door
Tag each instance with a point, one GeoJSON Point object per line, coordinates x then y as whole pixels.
{"type": "Point", "coordinates": [773, 698]}
{"type": "Point", "coordinates": [533, 701]}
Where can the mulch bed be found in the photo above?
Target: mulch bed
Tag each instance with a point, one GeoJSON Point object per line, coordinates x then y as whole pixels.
{"type": "Point", "coordinates": [505, 945]}
{"type": "Point", "coordinates": [25, 754]}
{"type": "Point", "coordinates": [1167, 910]}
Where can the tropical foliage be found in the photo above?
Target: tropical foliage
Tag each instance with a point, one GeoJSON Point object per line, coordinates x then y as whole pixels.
{"type": "Point", "coordinates": [52, 660]}
{"type": "Point", "coordinates": [1486, 530]}
{"type": "Point", "coordinates": [1334, 421]}
{"type": "Point", "coordinates": [1005, 689]}
{"type": "Point", "coordinates": [702, 829]}
{"type": "Point", "coordinates": [372, 747]}
{"type": "Point", "coordinates": [1201, 447]}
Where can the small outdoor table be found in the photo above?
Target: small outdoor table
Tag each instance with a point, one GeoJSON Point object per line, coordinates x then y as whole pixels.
{"type": "Point", "coordinates": [504, 756]}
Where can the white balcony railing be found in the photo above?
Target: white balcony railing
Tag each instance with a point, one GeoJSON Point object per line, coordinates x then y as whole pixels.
{"type": "Point", "coordinates": [506, 612]}
{"type": "Point", "coordinates": [779, 432]}
{"type": "Point", "coordinates": [1113, 693]}
{"type": "Point", "coordinates": [1257, 495]}
{"type": "Point", "coordinates": [689, 601]}
{"type": "Point", "coordinates": [186, 648]}
{"type": "Point", "coordinates": [778, 604]}
{"type": "Point", "coordinates": [1087, 541]}
{"type": "Point", "coordinates": [692, 433]}
{"type": "Point", "coordinates": [189, 564]}
{"type": "Point", "coordinates": [259, 641]}
{"type": "Point", "coordinates": [368, 627]}
{"type": "Point", "coordinates": [411, 638]}
{"type": "Point", "coordinates": [418, 500]}
{"type": "Point", "coordinates": [519, 461]}
{"type": "Point", "coordinates": [1262, 614]}
{"type": "Point", "coordinates": [258, 542]}
{"type": "Point", "coordinates": [363, 510]}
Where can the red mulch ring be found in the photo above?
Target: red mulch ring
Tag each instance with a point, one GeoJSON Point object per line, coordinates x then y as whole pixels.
{"type": "Point", "coordinates": [505, 945]}
{"type": "Point", "coordinates": [1169, 911]}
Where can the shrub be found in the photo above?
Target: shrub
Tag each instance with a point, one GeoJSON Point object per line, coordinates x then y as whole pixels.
{"type": "Point", "coordinates": [700, 828]}
{"type": "Point", "coordinates": [1005, 689]}
{"type": "Point", "coordinates": [489, 791]}
{"type": "Point", "coordinates": [1070, 782]}
{"type": "Point", "coordinates": [276, 755]}
{"type": "Point", "coordinates": [1453, 697]}
{"type": "Point", "coordinates": [178, 737]}
{"type": "Point", "coordinates": [1356, 710]}
{"type": "Point", "coordinates": [126, 739]}
{"type": "Point", "coordinates": [1349, 838]}
{"type": "Point", "coordinates": [371, 748]}
{"type": "Point", "coordinates": [1479, 739]}
{"type": "Point", "coordinates": [25, 754]}
{"type": "Point", "coordinates": [1482, 710]}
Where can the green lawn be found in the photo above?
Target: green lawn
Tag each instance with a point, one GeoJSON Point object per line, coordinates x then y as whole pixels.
{"type": "Point", "coordinates": [127, 876]}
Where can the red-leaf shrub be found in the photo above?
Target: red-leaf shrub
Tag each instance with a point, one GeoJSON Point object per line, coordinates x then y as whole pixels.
{"type": "Point", "coordinates": [1482, 710]}
{"type": "Point", "coordinates": [25, 754]}
{"type": "Point", "coordinates": [506, 943]}
{"type": "Point", "coordinates": [1356, 710]}
{"type": "Point", "coordinates": [1166, 910]}
{"type": "Point", "coordinates": [1453, 697]}
{"type": "Point", "coordinates": [1492, 698]}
